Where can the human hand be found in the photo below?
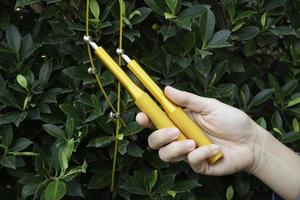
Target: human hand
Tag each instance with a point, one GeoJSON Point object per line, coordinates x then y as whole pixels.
{"type": "Point", "coordinates": [232, 131]}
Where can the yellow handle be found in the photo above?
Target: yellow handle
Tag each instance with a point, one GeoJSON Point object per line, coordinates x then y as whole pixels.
{"type": "Point", "coordinates": [192, 130]}
{"type": "Point", "coordinates": [188, 127]}
{"type": "Point", "coordinates": [157, 116]}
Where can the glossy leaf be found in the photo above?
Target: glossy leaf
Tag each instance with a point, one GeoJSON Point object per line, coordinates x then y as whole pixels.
{"type": "Point", "coordinates": [13, 38]}
{"type": "Point", "coordinates": [54, 131]}
{"type": "Point", "coordinates": [261, 97]}
{"type": "Point", "coordinates": [219, 39]}
{"type": "Point", "coordinates": [55, 190]}
{"type": "Point", "coordinates": [94, 6]}
{"type": "Point", "coordinates": [207, 23]}
{"type": "Point", "coordinates": [45, 73]}
{"type": "Point", "coordinates": [172, 5]}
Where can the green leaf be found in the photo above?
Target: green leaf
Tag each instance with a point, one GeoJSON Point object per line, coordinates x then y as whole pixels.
{"type": "Point", "coordinates": [244, 14]}
{"type": "Point", "coordinates": [77, 73]}
{"type": "Point", "coordinates": [186, 185]}
{"type": "Point", "coordinates": [172, 5]}
{"type": "Point", "coordinates": [131, 129]}
{"type": "Point", "coordinates": [54, 131]}
{"type": "Point", "coordinates": [290, 137]}
{"type": "Point", "coordinates": [144, 13]}
{"type": "Point", "coordinates": [164, 184]}
{"type": "Point", "coordinates": [134, 13]}
{"type": "Point", "coordinates": [101, 141]}
{"type": "Point", "coordinates": [6, 135]}
{"type": "Point", "coordinates": [203, 53]}
{"type": "Point", "coordinates": [122, 148]}
{"type": "Point", "coordinates": [21, 144]}
{"type": "Point", "coordinates": [13, 117]}
{"type": "Point", "coordinates": [219, 40]}
{"type": "Point", "coordinates": [100, 179]}
{"type": "Point", "coordinates": [229, 193]}
{"type": "Point", "coordinates": [262, 122]}
{"type": "Point", "coordinates": [65, 152]}
{"type": "Point", "coordinates": [152, 180]}
{"type": "Point", "coordinates": [207, 23]}
{"type": "Point", "coordinates": [29, 189]}
{"type": "Point", "coordinates": [193, 11]}
{"type": "Point", "coordinates": [55, 38]}
{"type": "Point", "coordinates": [245, 33]}
{"type": "Point", "coordinates": [296, 125]}
{"type": "Point", "coordinates": [13, 38]}
{"type": "Point", "coordinates": [171, 193]}
{"type": "Point", "coordinates": [272, 4]}
{"type": "Point", "coordinates": [45, 72]}
{"type": "Point", "coordinates": [279, 96]}
{"type": "Point", "coordinates": [22, 81]}
{"type": "Point", "coordinates": [293, 102]}
{"type": "Point", "coordinates": [8, 161]}
{"type": "Point", "coordinates": [69, 127]}
{"type": "Point", "coordinates": [70, 111]}
{"type": "Point", "coordinates": [245, 94]}
{"type": "Point", "coordinates": [27, 47]}
{"type": "Point", "coordinates": [167, 31]}
{"type": "Point", "coordinates": [189, 41]}
{"type": "Point", "coordinates": [7, 98]}
{"type": "Point", "coordinates": [283, 30]}
{"type": "Point", "coordinates": [219, 72]}
{"type": "Point", "coordinates": [203, 66]}
{"type": "Point", "coordinates": [289, 87]}
{"type": "Point", "coordinates": [55, 190]}
{"type": "Point", "coordinates": [20, 3]}
{"type": "Point", "coordinates": [261, 97]}
{"type": "Point", "coordinates": [242, 184]}
{"type": "Point", "coordinates": [134, 150]}
{"type": "Point", "coordinates": [263, 19]}
{"type": "Point", "coordinates": [156, 5]}
{"type": "Point", "coordinates": [237, 26]}
{"type": "Point", "coordinates": [133, 185]}
{"type": "Point", "coordinates": [48, 12]}
{"type": "Point", "coordinates": [94, 7]}
{"type": "Point", "coordinates": [185, 23]}
{"type": "Point", "coordinates": [169, 15]}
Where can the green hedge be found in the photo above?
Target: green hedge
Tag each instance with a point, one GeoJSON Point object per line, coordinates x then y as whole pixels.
{"type": "Point", "coordinates": [57, 139]}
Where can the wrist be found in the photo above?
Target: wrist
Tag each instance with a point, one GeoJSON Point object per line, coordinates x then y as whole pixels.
{"type": "Point", "coordinates": [275, 164]}
{"type": "Point", "coordinates": [258, 146]}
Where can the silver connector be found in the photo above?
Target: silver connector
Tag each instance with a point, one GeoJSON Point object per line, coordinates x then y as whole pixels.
{"type": "Point", "coordinates": [88, 39]}
{"type": "Point", "coordinates": [124, 56]}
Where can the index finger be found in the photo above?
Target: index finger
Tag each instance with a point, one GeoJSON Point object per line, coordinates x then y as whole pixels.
{"type": "Point", "coordinates": [143, 120]}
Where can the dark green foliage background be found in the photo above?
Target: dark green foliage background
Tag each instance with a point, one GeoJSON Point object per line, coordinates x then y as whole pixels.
{"type": "Point", "coordinates": [55, 133]}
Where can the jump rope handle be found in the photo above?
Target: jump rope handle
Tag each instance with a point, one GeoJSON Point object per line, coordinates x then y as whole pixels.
{"type": "Point", "coordinates": [174, 115]}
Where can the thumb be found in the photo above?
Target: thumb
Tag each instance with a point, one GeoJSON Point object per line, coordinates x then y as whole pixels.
{"type": "Point", "coordinates": [190, 101]}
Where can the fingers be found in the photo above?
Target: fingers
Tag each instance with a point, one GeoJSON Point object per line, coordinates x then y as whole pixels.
{"type": "Point", "coordinates": [143, 120]}
{"type": "Point", "coordinates": [170, 150]}
{"type": "Point", "coordinates": [197, 159]}
{"type": "Point", "coordinates": [161, 137]}
{"type": "Point", "coordinates": [176, 151]}
{"type": "Point", "coordinates": [190, 101]}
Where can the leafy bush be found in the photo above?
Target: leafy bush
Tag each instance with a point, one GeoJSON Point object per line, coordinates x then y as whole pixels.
{"type": "Point", "coordinates": [57, 139]}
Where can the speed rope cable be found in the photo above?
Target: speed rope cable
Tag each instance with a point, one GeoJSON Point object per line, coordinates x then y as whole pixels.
{"type": "Point", "coordinates": [116, 111]}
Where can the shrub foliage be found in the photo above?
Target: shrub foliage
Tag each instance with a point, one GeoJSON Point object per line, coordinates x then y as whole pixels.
{"type": "Point", "coordinates": [56, 137]}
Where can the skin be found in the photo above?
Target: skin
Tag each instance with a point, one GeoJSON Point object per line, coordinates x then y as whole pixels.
{"type": "Point", "coordinates": [245, 145]}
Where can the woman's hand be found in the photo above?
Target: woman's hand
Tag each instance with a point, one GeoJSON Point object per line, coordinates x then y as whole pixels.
{"type": "Point", "coordinates": [232, 131]}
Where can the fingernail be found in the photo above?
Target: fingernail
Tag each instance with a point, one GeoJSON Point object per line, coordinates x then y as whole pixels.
{"type": "Point", "coordinates": [173, 132]}
{"type": "Point", "coordinates": [190, 144]}
{"type": "Point", "coordinates": [214, 149]}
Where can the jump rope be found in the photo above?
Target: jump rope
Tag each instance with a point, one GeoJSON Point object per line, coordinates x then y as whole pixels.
{"type": "Point", "coordinates": [170, 115]}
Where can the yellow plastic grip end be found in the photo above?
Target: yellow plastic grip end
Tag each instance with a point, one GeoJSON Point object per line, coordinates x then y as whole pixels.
{"type": "Point", "coordinates": [157, 116]}
{"type": "Point", "coordinates": [191, 130]}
